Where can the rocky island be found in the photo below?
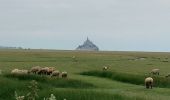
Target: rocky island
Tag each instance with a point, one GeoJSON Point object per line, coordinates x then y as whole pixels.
{"type": "Point", "coordinates": [88, 46]}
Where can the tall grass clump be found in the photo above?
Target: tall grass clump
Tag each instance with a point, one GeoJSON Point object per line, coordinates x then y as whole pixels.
{"type": "Point", "coordinates": [122, 77]}
{"type": "Point", "coordinates": [33, 90]}
{"type": "Point", "coordinates": [52, 81]}
{"type": "Point", "coordinates": [39, 78]}
{"type": "Point", "coordinates": [32, 94]}
{"type": "Point", "coordinates": [162, 82]}
{"type": "Point", "coordinates": [77, 94]}
{"type": "Point", "coordinates": [9, 86]}
{"type": "Point", "coordinates": [130, 78]}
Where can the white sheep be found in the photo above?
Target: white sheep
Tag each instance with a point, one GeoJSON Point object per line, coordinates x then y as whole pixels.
{"type": "Point", "coordinates": [19, 72]}
{"type": "Point", "coordinates": [64, 74]}
{"type": "Point", "coordinates": [149, 82]}
{"type": "Point", "coordinates": [155, 71]}
{"type": "Point", "coordinates": [74, 59]}
{"type": "Point", "coordinates": [55, 73]}
{"type": "Point", "coordinates": [15, 71]}
{"type": "Point", "coordinates": [105, 68]}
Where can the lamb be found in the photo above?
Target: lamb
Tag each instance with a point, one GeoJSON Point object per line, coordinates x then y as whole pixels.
{"type": "Point", "coordinates": [155, 71]}
{"type": "Point", "coordinates": [35, 69]}
{"type": "Point", "coordinates": [64, 74]}
{"type": "Point", "coordinates": [55, 73]}
{"type": "Point", "coordinates": [149, 82]}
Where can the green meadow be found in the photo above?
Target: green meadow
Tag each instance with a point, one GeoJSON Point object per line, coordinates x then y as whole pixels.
{"type": "Point", "coordinates": [86, 80]}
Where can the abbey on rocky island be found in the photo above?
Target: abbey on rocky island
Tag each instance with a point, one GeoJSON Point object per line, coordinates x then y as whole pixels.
{"type": "Point", "coordinates": [88, 46]}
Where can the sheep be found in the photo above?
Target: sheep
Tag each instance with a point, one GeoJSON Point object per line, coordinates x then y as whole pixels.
{"type": "Point", "coordinates": [168, 75]}
{"type": "Point", "coordinates": [35, 69]}
{"type": "Point", "coordinates": [105, 68]}
{"type": "Point", "coordinates": [74, 59]}
{"type": "Point", "coordinates": [155, 71]}
{"type": "Point", "coordinates": [50, 70]}
{"type": "Point", "coordinates": [64, 74]}
{"type": "Point", "coordinates": [43, 71]}
{"type": "Point", "coordinates": [149, 82]}
{"type": "Point", "coordinates": [14, 71]}
{"type": "Point", "coordinates": [55, 73]}
{"type": "Point", "coordinates": [19, 72]}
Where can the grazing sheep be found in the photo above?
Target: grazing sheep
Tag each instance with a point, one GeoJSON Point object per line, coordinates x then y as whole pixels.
{"type": "Point", "coordinates": [105, 68]}
{"type": "Point", "coordinates": [55, 73]}
{"type": "Point", "coordinates": [35, 69]}
{"type": "Point", "coordinates": [168, 75]}
{"type": "Point", "coordinates": [155, 71]}
{"type": "Point", "coordinates": [149, 82]}
{"type": "Point", "coordinates": [19, 72]}
{"type": "Point", "coordinates": [43, 71]}
{"type": "Point", "coordinates": [14, 71]}
{"type": "Point", "coordinates": [50, 70]}
{"type": "Point", "coordinates": [74, 59]}
{"type": "Point", "coordinates": [64, 74]}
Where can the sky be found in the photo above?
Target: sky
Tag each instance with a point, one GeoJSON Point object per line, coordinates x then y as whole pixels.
{"type": "Point", "coordinates": [114, 25]}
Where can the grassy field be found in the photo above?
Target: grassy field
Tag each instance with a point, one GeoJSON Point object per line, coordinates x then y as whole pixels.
{"type": "Point", "coordinates": [86, 80]}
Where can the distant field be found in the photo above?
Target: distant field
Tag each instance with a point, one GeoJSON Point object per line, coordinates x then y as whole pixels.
{"type": "Point", "coordinates": [86, 80]}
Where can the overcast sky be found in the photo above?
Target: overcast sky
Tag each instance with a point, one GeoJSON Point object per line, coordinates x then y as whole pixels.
{"type": "Point", "coordinates": [135, 25]}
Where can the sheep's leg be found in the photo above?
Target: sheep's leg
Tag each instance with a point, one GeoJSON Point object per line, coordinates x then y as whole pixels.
{"type": "Point", "coordinates": [147, 85]}
{"type": "Point", "coordinates": [151, 85]}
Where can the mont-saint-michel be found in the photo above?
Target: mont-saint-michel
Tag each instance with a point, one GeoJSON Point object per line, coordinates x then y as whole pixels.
{"type": "Point", "coordinates": [88, 46]}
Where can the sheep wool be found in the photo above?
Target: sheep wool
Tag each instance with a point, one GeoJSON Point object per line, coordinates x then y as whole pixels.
{"type": "Point", "coordinates": [35, 69]}
{"type": "Point", "coordinates": [105, 68]}
{"type": "Point", "coordinates": [64, 74]}
{"type": "Point", "coordinates": [155, 71]}
{"type": "Point", "coordinates": [55, 73]}
{"type": "Point", "coordinates": [19, 72]}
{"type": "Point", "coordinates": [149, 82]}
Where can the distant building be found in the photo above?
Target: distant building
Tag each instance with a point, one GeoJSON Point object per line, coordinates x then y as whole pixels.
{"type": "Point", "coordinates": [5, 47]}
{"type": "Point", "coordinates": [88, 46]}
